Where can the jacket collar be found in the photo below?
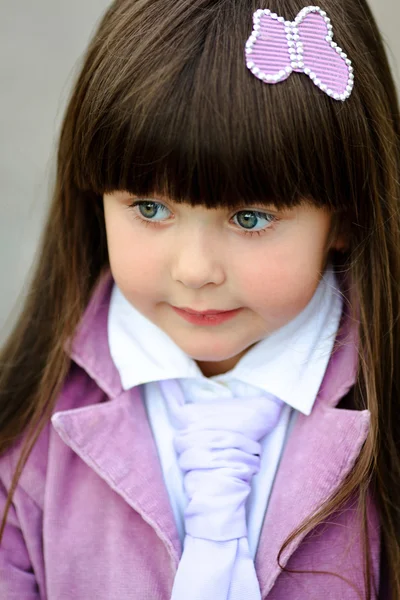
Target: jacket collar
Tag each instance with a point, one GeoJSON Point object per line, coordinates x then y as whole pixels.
{"type": "Point", "coordinates": [319, 455]}
{"type": "Point", "coordinates": [114, 438]}
{"type": "Point", "coordinates": [89, 347]}
{"type": "Point", "coordinates": [320, 452]}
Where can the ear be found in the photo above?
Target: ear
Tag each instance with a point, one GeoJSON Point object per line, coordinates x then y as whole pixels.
{"type": "Point", "coordinates": [341, 235]}
{"type": "Point", "coordinates": [341, 244]}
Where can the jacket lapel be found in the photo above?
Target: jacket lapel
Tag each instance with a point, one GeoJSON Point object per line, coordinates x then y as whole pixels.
{"type": "Point", "coordinates": [114, 439]}
{"type": "Point", "coordinates": [319, 454]}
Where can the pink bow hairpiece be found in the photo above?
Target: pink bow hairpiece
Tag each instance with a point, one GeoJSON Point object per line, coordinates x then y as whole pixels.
{"type": "Point", "coordinates": [277, 47]}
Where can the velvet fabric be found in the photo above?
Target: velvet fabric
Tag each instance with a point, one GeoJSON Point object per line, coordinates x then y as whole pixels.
{"type": "Point", "coordinates": [91, 516]}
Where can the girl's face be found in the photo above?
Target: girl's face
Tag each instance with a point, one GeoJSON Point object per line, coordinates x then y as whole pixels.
{"type": "Point", "coordinates": [262, 263]}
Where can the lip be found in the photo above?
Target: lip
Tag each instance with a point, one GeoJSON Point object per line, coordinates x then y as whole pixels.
{"type": "Point", "coordinates": [203, 312]}
{"type": "Point", "coordinates": [206, 317]}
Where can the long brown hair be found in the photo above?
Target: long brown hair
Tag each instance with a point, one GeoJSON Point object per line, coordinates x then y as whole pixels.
{"type": "Point", "coordinates": [164, 102]}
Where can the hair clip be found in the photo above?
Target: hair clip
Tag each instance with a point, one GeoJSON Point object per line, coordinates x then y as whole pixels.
{"type": "Point", "coordinates": [277, 47]}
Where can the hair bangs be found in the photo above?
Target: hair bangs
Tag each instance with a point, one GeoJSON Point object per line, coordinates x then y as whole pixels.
{"type": "Point", "coordinates": [191, 122]}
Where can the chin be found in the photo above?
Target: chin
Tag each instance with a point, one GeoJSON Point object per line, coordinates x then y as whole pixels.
{"type": "Point", "coordinates": [208, 357]}
{"type": "Point", "coordinates": [211, 355]}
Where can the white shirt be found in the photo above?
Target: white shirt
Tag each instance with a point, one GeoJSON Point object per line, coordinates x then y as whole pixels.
{"type": "Point", "coordinates": [290, 364]}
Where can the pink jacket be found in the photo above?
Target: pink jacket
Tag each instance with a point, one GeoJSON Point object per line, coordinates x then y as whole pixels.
{"type": "Point", "coordinates": [91, 516]}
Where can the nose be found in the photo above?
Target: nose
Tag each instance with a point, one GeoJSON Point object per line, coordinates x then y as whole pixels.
{"type": "Point", "coordinates": [197, 260]}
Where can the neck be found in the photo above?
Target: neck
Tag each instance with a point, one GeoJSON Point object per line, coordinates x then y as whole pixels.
{"type": "Point", "coordinates": [212, 368]}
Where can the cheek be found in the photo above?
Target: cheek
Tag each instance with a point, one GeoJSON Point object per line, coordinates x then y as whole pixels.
{"type": "Point", "coordinates": [134, 269]}
{"type": "Point", "coordinates": [279, 285]}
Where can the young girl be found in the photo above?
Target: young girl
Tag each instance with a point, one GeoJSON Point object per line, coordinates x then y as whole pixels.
{"type": "Point", "coordinates": [200, 400]}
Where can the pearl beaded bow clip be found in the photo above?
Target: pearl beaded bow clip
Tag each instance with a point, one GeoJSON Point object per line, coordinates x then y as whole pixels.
{"type": "Point", "coordinates": [277, 47]}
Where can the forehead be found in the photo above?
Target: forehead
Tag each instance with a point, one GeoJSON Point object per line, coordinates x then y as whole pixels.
{"type": "Point", "coordinates": [207, 132]}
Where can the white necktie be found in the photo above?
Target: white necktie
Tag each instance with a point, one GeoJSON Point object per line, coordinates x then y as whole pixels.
{"type": "Point", "coordinates": [219, 452]}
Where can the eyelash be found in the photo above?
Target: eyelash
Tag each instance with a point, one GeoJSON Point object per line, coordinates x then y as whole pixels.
{"type": "Point", "coordinates": [148, 222]}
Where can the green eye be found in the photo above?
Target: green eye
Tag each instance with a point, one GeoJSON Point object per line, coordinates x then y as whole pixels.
{"type": "Point", "coordinates": [152, 211]}
{"type": "Point", "coordinates": [253, 220]}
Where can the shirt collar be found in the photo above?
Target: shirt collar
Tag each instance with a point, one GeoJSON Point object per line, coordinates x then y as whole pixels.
{"type": "Point", "coordinates": [290, 363]}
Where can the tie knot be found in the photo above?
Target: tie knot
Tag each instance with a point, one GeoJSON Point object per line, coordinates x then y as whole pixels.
{"type": "Point", "coordinates": [219, 452]}
{"type": "Point", "coordinates": [253, 416]}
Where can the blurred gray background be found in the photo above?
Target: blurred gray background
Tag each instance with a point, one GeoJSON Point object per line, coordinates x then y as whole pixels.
{"type": "Point", "coordinates": [40, 44]}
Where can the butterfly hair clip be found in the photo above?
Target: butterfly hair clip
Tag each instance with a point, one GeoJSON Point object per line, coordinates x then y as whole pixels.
{"type": "Point", "coordinates": [276, 48]}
